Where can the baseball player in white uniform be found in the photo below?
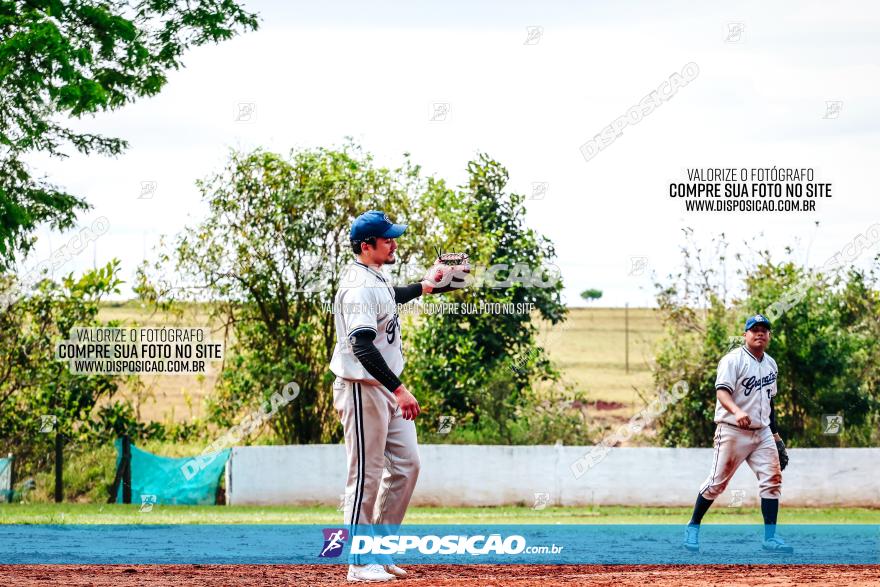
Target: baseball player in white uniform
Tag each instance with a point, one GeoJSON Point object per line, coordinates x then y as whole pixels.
{"type": "Point", "coordinates": [376, 409]}
{"type": "Point", "coordinates": [746, 431]}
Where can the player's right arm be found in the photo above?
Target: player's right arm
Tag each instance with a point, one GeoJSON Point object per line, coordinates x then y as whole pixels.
{"type": "Point", "coordinates": [742, 419]}
{"type": "Point", "coordinates": [366, 352]}
{"type": "Point", "coordinates": [725, 384]}
{"type": "Point", "coordinates": [363, 348]}
{"type": "Point", "coordinates": [361, 308]}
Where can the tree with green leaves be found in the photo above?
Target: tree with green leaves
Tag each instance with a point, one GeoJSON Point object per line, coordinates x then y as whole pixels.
{"type": "Point", "coordinates": [32, 382]}
{"type": "Point", "coordinates": [478, 367]}
{"type": "Point", "coordinates": [71, 59]}
{"type": "Point", "coordinates": [268, 259]}
{"type": "Point", "coordinates": [591, 295]}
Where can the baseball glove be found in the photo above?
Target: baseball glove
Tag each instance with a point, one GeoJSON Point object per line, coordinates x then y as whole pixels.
{"type": "Point", "coordinates": [783, 455]}
{"type": "Point", "coordinates": [449, 272]}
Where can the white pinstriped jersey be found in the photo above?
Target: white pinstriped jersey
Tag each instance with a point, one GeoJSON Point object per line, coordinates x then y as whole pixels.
{"type": "Point", "coordinates": [365, 301]}
{"type": "Point", "coordinates": [750, 382]}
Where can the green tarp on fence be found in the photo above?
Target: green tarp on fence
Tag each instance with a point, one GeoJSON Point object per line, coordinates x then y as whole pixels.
{"type": "Point", "coordinates": [5, 479]}
{"type": "Point", "coordinates": [166, 480]}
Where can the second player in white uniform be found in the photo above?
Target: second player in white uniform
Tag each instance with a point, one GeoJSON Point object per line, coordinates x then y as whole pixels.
{"type": "Point", "coordinates": [745, 385]}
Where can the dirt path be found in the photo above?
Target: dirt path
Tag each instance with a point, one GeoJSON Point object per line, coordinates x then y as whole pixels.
{"type": "Point", "coordinates": [440, 575]}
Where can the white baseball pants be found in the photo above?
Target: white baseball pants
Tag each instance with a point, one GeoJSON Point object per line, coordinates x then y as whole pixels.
{"type": "Point", "coordinates": [381, 450]}
{"type": "Point", "coordinates": [733, 445]}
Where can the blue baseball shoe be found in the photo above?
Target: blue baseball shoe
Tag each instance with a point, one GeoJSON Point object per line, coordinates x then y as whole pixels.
{"type": "Point", "coordinates": [777, 544]}
{"type": "Point", "coordinates": [692, 538]}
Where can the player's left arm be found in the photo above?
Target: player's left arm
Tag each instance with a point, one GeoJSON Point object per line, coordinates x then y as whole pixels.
{"type": "Point", "coordinates": [780, 446]}
{"type": "Point", "coordinates": [773, 428]}
{"type": "Point", "coordinates": [407, 293]}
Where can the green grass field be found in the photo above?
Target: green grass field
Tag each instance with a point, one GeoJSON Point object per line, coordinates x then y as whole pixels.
{"type": "Point", "coordinates": [66, 513]}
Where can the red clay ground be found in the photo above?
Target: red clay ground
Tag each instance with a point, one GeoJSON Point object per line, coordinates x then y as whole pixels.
{"type": "Point", "coordinates": [440, 575]}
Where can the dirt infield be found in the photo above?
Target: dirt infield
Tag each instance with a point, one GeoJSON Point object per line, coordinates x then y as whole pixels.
{"type": "Point", "coordinates": [440, 575]}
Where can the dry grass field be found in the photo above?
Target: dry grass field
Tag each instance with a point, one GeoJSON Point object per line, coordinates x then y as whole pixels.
{"type": "Point", "coordinates": [589, 349]}
{"type": "Point", "coordinates": [166, 398]}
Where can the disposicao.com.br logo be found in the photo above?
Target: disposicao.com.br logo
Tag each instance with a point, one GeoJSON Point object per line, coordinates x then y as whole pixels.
{"type": "Point", "coordinates": [334, 542]}
{"type": "Point", "coordinates": [451, 544]}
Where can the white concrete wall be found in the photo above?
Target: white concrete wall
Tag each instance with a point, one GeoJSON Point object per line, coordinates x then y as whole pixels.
{"type": "Point", "coordinates": [495, 475]}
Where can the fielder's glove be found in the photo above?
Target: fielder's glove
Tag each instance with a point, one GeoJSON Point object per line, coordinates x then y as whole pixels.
{"type": "Point", "coordinates": [449, 272]}
{"type": "Point", "coordinates": [783, 456]}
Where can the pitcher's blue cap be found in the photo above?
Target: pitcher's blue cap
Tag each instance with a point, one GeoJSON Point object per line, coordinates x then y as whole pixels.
{"type": "Point", "coordinates": [374, 223]}
{"type": "Point", "coordinates": [755, 320]}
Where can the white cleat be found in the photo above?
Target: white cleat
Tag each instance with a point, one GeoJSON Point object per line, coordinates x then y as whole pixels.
{"type": "Point", "coordinates": [395, 570]}
{"type": "Point", "coordinates": [368, 574]}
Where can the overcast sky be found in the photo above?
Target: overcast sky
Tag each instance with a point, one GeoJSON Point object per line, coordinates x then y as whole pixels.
{"type": "Point", "coordinates": [527, 83]}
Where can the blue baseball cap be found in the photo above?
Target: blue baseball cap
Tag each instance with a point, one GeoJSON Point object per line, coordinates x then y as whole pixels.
{"type": "Point", "coordinates": [374, 223]}
{"type": "Point", "coordinates": [755, 320]}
